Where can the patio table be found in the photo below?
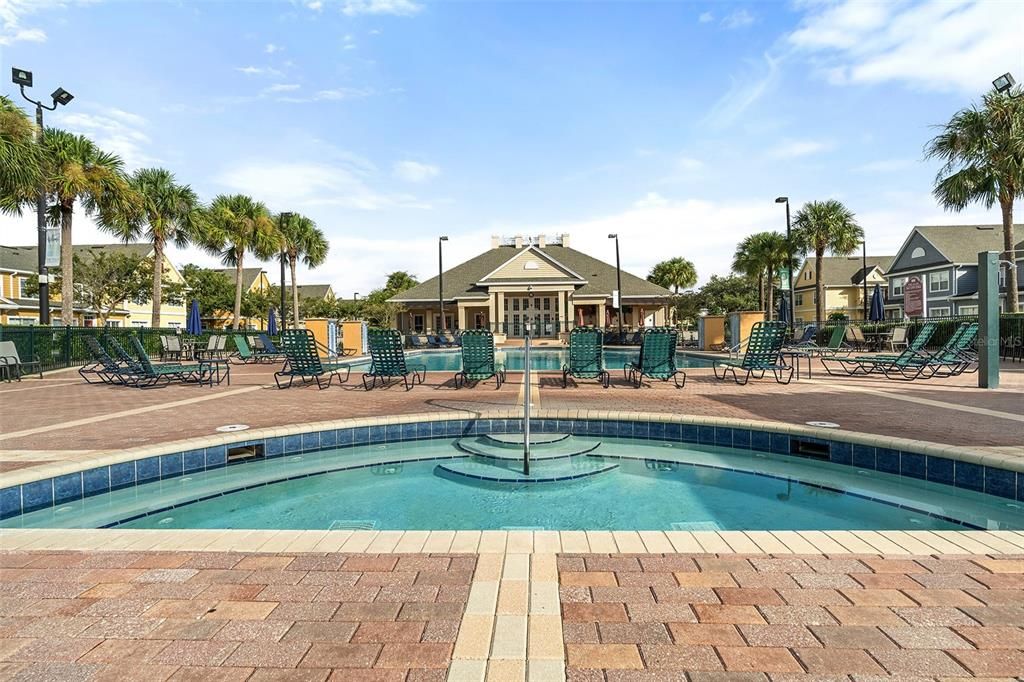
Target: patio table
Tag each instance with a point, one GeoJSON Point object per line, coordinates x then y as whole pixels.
{"type": "Point", "coordinates": [877, 339]}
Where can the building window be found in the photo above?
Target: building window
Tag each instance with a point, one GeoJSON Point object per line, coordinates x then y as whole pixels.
{"type": "Point", "coordinates": [940, 312]}
{"type": "Point", "coordinates": [897, 286]}
{"type": "Point", "coordinates": [968, 310]}
{"type": "Point", "coordinates": [15, 320]}
{"type": "Point", "coordinates": [418, 323]}
{"type": "Point", "coordinates": [175, 325]}
{"type": "Point", "coordinates": [938, 281]}
{"type": "Point", "coordinates": [798, 300]}
{"type": "Point", "coordinates": [547, 304]}
{"type": "Point", "coordinates": [515, 304]}
{"type": "Point", "coordinates": [917, 253]}
{"type": "Point", "coordinates": [20, 284]}
{"type": "Point", "coordinates": [138, 324]}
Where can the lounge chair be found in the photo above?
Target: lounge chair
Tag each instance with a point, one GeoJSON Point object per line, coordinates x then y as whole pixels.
{"type": "Point", "coordinates": [657, 358]}
{"type": "Point", "coordinates": [762, 355]}
{"type": "Point", "coordinates": [836, 344]}
{"type": "Point", "coordinates": [879, 362]}
{"type": "Point", "coordinates": [415, 342]}
{"type": "Point", "coordinates": [211, 348]}
{"type": "Point", "coordinates": [271, 352]}
{"type": "Point", "coordinates": [586, 356]}
{"type": "Point", "coordinates": [451, 340]}
{"type": "Point", "coordinates": [303, 361]}
{"type": "Point", "coordinates": [103, 367]}
{"type": "Point", "coordinates": [387, 360]}
{"type": "Point", "coordinates": [171, 371]}
{"type": "Point", "coordinates": [478, 362]}
{"type": "Point", "coordinates": [955, 357]}
{"type": "Point", "coordinates": [898, 338]}
{"type": "Point", "coordinates": [243, 352]}
{"type": "Point", "coordinates": [806, 340]}
{"type": "Point", "coordinates": [15, 366]}
{"type": "Point", "coordinates": [855, 337]}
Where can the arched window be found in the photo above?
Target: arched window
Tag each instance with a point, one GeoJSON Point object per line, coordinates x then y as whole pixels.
{"type": "Point", "coordinates": [917, 253]}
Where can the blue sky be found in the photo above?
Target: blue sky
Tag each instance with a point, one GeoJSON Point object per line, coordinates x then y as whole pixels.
{"type": "Point", "coordinates": [393, 121]}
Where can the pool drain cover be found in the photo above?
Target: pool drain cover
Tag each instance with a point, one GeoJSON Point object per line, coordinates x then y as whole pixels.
{"type": "Point", "coordinates": [232, 427]}
{"type": "Point", "coordinates": [824, 425]}
{"type": "Point", "coordinates": [353, 524]}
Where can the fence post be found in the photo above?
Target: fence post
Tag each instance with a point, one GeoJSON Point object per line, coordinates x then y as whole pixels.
{"type": "Point", "coordinates": [68, 331]}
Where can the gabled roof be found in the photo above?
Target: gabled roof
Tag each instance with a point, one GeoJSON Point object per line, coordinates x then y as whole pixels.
{"type": "Point", "coordinates": [24, 257]}
{"type": "Point", "coordinates": [461, 280]}
{"type": "Point", "coordinates": [317, 291]}
{"type": "Point", "coordinates": [962, 243]}
{"type": "Point", "coordinates": [249, 276]}
{"type": "Point", "coordinates": [843, 271]}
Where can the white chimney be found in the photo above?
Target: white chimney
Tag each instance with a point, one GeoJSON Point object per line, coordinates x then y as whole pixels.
{"type": "Point", "coordinates": [541, 241]}
{"type": "Point", "coordinates": [519, 241]}
{"type": "Point", "coordinates": [495, 241]}
{"type": "Point", "coordinates": [565, 239]}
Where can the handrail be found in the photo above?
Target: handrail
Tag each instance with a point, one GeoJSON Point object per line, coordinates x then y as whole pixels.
{"type": "Point", "coordinates": [526, 405]}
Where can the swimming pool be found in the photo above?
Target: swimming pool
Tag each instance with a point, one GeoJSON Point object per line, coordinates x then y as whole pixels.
{"type": "Point", "coordinates": [541, 359]}
{"type": "Point", "coordinates": [576, 482]}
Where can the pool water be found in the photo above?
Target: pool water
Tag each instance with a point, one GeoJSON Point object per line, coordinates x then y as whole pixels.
{"type": "Point", "coordinates": [544, 360]}
{"type": "Point", "coordinates": [638, 485]}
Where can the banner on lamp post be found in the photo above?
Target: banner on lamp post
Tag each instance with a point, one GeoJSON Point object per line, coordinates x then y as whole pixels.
{"type": "Point", "coordinates": [783, 275]}
{"type": "Point", "coordinates": [615, 299]}
{"type": "Point", "coordinates": [52, 247]}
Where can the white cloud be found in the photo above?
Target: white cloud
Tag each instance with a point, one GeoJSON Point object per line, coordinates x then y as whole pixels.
{"type": "Point", "coordinates": [413, 171]}
{"type": "Point", "coordinates": [258, 71]}
{"type": "Point", "coordinates": [885, 166]}
{"type": "Point", "coordinates": [738, 19]}
{"type": "Point", "coordinates": [13, 15]}
{"type": "Point", "coordinates": [745, 91]}
{"type": "Point", "coordinates": [315, 5]}
{"type": "Point", "coordinates": [397, 7]}
{"type": "Point", "coordinates": [349, 42]}
{"type": "Point", "coordinates": [706, 18]}
{"type": "Point", "coordinates": [271, 48]}
{"type": "Point", "coordinates": [343, 93]}
{"type": "Point", "coordinates": [794, 149]}
{"type": "Point", "coordinates": [941, 45]}
{"type": "Point", "coordinates": [282, 87]}
{"type": "Point", "coordinates": [115, 131]}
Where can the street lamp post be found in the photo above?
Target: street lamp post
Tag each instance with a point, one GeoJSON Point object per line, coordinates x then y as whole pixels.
{"type": "Point", "coordinates": [1004, 85]}
{"type": "Point", "coordinates": [440, 283]}
{"type": "Point", "coordinates": [281, 220]}
{"type": "Point", "coordinates": [864, 274]}
{"type": "Point", "coordinates": [618, 285]}
{"type": "Point", "coordinates": [789, 265]}
{"type": "Point", "coordinates": [61, 97]}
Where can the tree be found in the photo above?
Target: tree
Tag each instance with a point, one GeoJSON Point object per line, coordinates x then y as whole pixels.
{"type": "Point", "coordinates": [720, 295]}
{"type": "Point", "coordinates": [761, 255]}
{"type": "Point", "coordinates": [107, 279]}
{"type": "Point", "coordinates": [821, 226]}
{"type": "Point", "coordinates": [379, 311]}
{"type": "Point", "coordinates": [168, 212]}
{"type": "Point", "coordinates": [301, 239]}
{"type": "Point", "coordinates": [983, 155]}
{"type": "Point", "coordinates": [674, 274]}
{"type": "Point", "coordinates": [77, 170]}
{"type": "Point", "coordinates": [400, 281]}
{"type": "Point", "coordinates": [20, 158]}
{"type": "Point", "coordinates": [211, 288]}
{"type": "Point", "coordinates": [237, 225]}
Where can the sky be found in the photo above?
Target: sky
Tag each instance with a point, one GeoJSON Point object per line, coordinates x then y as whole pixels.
{"type": "Point", "coordinates": [392, 122]}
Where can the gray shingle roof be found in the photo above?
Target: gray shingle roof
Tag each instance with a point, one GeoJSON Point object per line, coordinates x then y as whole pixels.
{"type": "Point", "coordinates": [318, 291]}
{"type": "Point", "coordinates": [24, 257]}
{"type": "Point", "coordinates": [460, 281]}
{"type": "Point", "coordinates": [961, 243]}
{"type": "Point", "coordinates": [249, 275]}
{"type": "Point", "coordinates": [843, 271]}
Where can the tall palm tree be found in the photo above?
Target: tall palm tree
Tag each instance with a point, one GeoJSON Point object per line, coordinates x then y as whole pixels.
{"type": "Point", "coordinates": [761, 255]}
{"type": "Point", "coordinates": [675, 274]}
{"type": "Point", "coordinates": [747, 261]}
{"type": "Point", "coordinates": [301, 238]}
{"type": "Point", "coordinates": [983, 151]}
{"type": "Point", "coordinates": [20, 158]}
{"type": "Point", "coordinates": [821, 226]}
{"type": "Point", "coordinates": [237, 225]}
{"type": "Point", "coordinates": [169, 212]}
{"type": "Point", "coordinates": [77, 170]}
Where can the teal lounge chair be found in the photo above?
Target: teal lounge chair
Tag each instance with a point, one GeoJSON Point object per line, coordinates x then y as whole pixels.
{"type": "Point", "coordinates": [761, 355]}
{"type": "Point", "coordinates": [171, 371]}
{"type": "Point", "coordinates": [244, 352]}
{"type": "Point", "coordinates": [866, 364]}
{"type": "Point", "coordinates": [586, 356]}
{"type": "Point", "coordinates": [303, 361]}
{"type": "Point", "coordinates": [387, 360]}
{"type": "Point", "coordinates": [955, 357]}
{"type": "Point", "coordinates": [103, 367]}
{"type": "Point", "coordinates": [657, 358]}
{"type": "Point", "coordinates": [836, 344]}
{"type": "Point", "coordinates": [478, 363]}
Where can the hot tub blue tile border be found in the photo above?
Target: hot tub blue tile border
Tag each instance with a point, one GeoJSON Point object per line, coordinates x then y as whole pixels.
{"type": "Point", "coordinates": [29, 497]}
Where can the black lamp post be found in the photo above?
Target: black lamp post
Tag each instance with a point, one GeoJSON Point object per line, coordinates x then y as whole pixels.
{"type": "Point", "coordinates": [864, 274]}
{"type": "Point", "coordinates": [440, 282]}
{"type": "Point", "coordinates": [789, 265]}
{"type": "Point", "coordinates": [284, 315]}
{"type": "Point", "coordinates": [61, 97]}
{"type": "Point", "coordinates": [618, 285]}
{"type": "Point", "coordinates": [1004, 85]}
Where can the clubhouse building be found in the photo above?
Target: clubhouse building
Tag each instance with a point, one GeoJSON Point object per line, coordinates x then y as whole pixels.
{"type": "Point", "coordinates": [539, 282]}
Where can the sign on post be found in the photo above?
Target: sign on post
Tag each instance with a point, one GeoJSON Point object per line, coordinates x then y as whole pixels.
{"type": "Point", "coordinates": [913, 297]}
{"type": "Point", "coordinates": [52, 247]}
{"type": "Point", "coordinates": [783, 274]}
{"type": "Point", "coordinates": [615, 299]}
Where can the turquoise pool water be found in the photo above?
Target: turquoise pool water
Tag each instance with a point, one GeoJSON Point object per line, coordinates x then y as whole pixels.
{"type": "Point", "coordinates": [626, 484]}
{"type": "Point", "coordinates": [544, 360]}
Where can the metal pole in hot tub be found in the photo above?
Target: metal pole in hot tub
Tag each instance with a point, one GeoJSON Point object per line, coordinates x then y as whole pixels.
{"type": "Point", "coordinates": [526, 398]}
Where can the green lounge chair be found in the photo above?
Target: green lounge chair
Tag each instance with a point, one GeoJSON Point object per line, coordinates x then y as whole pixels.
{"type": "Point", "coordinates": [955, 357]}
{"type": "Point", "coordinates": [478, 362]}
{"type": "Point", "coordinates": [171, 371]}
{"type": "Point", "coordinates": [303, 361]}
{"type": "Point", "coordinates": [657, 358]}
{"type": "Point", "coordinates": [103, 367]}
{"type": "Point", "coordinates": [761, 355]}
{"type": "Point", "coordinates": [586, 356]}
{"type": "Point", "coordinates": [879, 362]}
{"type": "Point", "coordinates": [836, 344]}
{"type": "Point", "coordinates": [387, 360]}
{"type": "Point", "coordinates": [243, 352]}
{"type": "Point", "coordinates": [15, 366]}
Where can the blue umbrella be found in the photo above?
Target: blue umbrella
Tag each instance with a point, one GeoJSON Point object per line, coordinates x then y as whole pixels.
{"type": "Point", "coordinates": [272, 323]}
{"type": "Point", "coordinates": [877, 313]}
{"type": "Point", "coordinates": [194, 325]}
{"type": "Point", "coordinates": [783, 309]}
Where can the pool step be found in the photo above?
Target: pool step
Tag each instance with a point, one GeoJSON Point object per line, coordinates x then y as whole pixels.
{"type": "Point", "coordinates": [515, 440]}
{"type": "Point", "coordinates": [546, 447]}
{"type": "Point", "coordinates": [471, 470]}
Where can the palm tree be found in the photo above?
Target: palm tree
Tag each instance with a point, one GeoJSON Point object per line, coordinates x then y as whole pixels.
{"type": "Point", "coordinates": [169, 212]}
{"type": "Point", "coordinates": [19, 157]}
{"type": "Point", "coordinates": [301, 238]}
{"type": "Point", "coordinates": [237, 225]}
{"type": "Point", "coordinates": [747, 261]}
{"type": "Point", "coordinates": [821, 226]}
{"type": "Point", "coordinates": [983, 151]}
{"type": "Point", "coordinates": [399, 281]}
{"type": "Point", "coordinates": [77, 170]}
{"type": "Point", "coordinates": [675, 273]}
{"type": "Point", "coordinates": [761, 255]}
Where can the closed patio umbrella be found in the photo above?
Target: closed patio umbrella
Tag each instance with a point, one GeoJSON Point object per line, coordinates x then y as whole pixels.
{"type": "Point", "coordinates": [877, 313]}
{"type": "Point", "coordinates": [194, 325]}
{"type": "Point", "coordinates": [783, 312]}
{"type": "Point", "coordinates": [272, 323]}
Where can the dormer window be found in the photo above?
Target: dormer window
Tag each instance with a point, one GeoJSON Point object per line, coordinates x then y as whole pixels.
{"type": "Point", "coordinates": [530, 265]}
{"type": "Point", "coordinates": [917, 253]}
